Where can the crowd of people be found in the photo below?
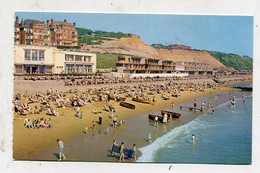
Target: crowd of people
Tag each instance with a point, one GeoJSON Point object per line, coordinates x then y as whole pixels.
{"type": "Point", "coordinates": [37, 123]}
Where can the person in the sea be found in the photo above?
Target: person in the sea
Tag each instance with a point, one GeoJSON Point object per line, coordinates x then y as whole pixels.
{"type": "Point", "coordinates": [213, 110]}
{"type": "Point", "coordinates": [121, 150]}
{"type": "Point", "coordinates": [193, 138]}
{"type": "Point", "coordinates": [243, 98]}
{"type": "Point", "coordinates": [195, 103]}
{"type": "Point", "coordinates": [156, 121]}
{"type": "Point", "coordinates": [61, 149]}
{"type": "Point", "coordinates": [165, 118]}
{"type": "Point", "coordinates": [208, 106]}
{"type": "Point", "coordinates": [134, 151]}
{"type": "Point", "coordinates": [149, 137]}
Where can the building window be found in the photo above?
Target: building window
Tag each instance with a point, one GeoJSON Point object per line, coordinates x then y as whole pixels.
{"type": "Point", "coordinates": [66, 57]}
{"type": "Point", "coordinates": [69, 57]}
{"type": "Point", "coordinates": [78, 58]}
{"type": "Point", "coordinates": [87, 58]}
{"type": "Point", "coordinates": [41, 55]}
{"type": "Point", "coordinates": [34, 55]}
{"type": "Point", "coordinates": [27, 55]}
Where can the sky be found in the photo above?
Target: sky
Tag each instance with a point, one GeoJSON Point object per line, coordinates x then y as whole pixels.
{"type": "Point", "coordinates": [229, 34]}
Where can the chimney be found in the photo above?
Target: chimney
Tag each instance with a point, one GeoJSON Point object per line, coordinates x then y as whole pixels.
{"type": "Point", "coordinates": [74, 24]}
{"type": "Point", "coordinates": [65, 20]}
{"type": "Point", "coordinates": [17, 19]}
{"type": "Point", "coordinates": [47, 23]}
{"type": "Point", "coordinates": [22, 23]}
{"type": "Point", "coordinates": [51, 22]}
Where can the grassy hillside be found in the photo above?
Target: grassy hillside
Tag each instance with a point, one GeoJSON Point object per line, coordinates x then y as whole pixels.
{"type": "Point", "coordinates": [106, 61]}
{"type": "Point", "coordinates": [232, 60]}
{"type": "Point", "coordinates": [97, 37]}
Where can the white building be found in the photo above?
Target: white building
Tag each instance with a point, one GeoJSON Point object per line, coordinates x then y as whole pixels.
{"type": "Point", "coordinates": [50, 60]}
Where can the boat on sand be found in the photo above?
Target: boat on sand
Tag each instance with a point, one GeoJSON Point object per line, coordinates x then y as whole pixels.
{"type": "Point", "coordinates": [127, 105]}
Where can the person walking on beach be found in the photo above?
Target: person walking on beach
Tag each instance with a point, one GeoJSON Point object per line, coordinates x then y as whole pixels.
{"type": "Point", "coordinates": [77, 112]}
{"type": "Point", "coordinates": [100, 119]}
{"type": "Point", "coordinates": [61, 149]}
{"type": "Point", "coordinates": [193, 138]}
{"type": "Point", "coordinates": [122, 155]}
{"type": "Point", "coordinates": [154, 100]}
{"type": "Point", "coordinates": [112, 113]}
{"type": "Point", "coordinates": [195, 103]}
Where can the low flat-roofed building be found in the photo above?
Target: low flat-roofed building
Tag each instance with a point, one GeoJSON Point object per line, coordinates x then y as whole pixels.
{"type": "Point", "coordinates": [132, 64]}
{"type": "Point", "coordinates": [50, 60]}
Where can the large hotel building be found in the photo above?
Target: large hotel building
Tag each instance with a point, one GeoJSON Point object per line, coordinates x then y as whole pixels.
{"type": "Point", "coordinates": [39, 33]}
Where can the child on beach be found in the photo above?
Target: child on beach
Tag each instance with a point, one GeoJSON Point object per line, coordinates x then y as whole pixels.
{"type": "Point", "coordinates": [61, 149]}
{"type": "Point", "coordinates": [122, 155]}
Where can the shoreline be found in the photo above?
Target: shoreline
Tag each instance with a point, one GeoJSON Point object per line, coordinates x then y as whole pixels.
{"type": "Point", "coordinates": [76, 126]}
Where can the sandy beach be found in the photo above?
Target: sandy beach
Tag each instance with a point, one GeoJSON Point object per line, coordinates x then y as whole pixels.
{"type": "Point", "coordinates": [31, 143]}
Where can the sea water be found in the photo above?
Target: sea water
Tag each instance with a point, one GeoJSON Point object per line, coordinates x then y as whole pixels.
{"type": "Point", "coordinates": [224, 137]}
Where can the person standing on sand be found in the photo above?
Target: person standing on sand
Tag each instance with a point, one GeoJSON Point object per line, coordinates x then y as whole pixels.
{"type": "Point", "coordinates": [112, 113]}
{"type": "Point", "coordinates": [100, 119]}
{"type": "Point", "coordinates": [134, 151]}
{"type": "Point", "coordinates": [173, 104]}
{"type": "Point", "coordinates": [154, 100]}
{"type": "Point", "coordinates": [61, 149]}
{"type": "Point", "coordinates": [93, 124]}
{"type": "Point", "coordinates": [195, 103]}
{"type": "Point", "coordinates": [113, 148]}
{"type": "Point", "coordinates": [122, 155]}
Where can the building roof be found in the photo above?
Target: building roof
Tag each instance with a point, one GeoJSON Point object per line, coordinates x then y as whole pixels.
{"type": "Point", "coordinates": [28, 22]}
{"type": "Point", "coordinates": [59, 23]}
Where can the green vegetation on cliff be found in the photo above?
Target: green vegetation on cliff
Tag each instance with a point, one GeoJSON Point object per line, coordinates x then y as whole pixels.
{"type": "Point", "coordinates": [106, 61]}
{"type": "Point", "coordinates": [233, 60]}
{"type": "Point", "coordinates": [91, 37]}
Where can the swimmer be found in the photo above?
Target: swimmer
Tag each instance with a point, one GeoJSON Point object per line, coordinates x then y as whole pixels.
{"type": "Point", "coordinates": [193, 138]}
